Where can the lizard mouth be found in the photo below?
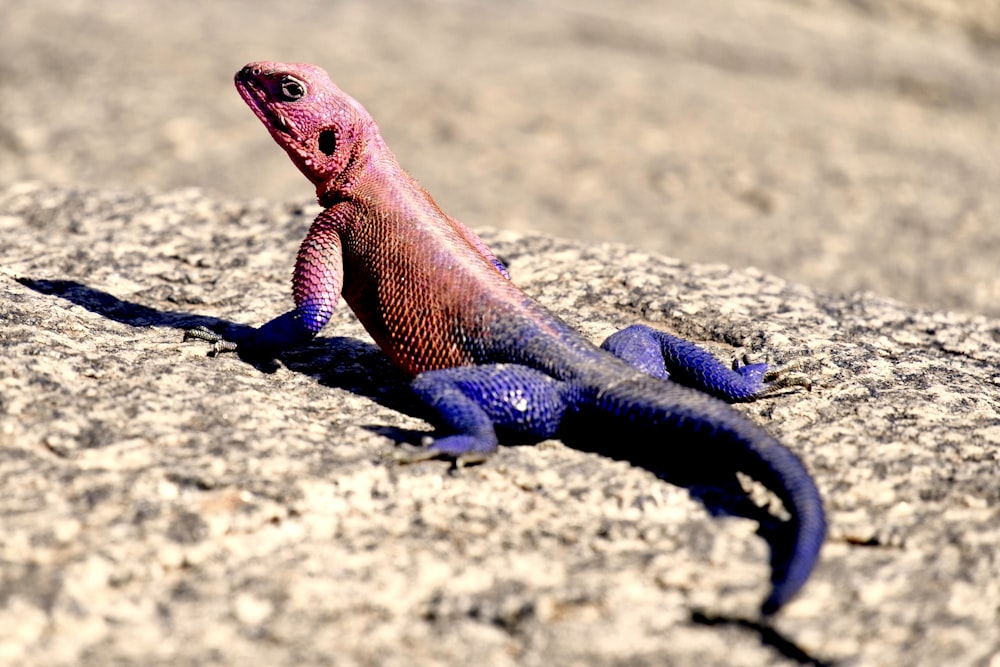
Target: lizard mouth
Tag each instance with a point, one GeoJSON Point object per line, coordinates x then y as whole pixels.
{"type": "Point", "coordinates": [257, 99]}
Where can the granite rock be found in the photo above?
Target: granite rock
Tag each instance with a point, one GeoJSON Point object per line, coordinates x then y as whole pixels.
{"type": "Point", "coordinates": [162, 506]}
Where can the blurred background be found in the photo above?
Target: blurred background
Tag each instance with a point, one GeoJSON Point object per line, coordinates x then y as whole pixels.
{"type": "Point", "coordinates": [846, 144]}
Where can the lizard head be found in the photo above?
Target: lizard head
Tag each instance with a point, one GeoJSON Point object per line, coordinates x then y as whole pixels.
{"type": "Point", "coordinates": [322, 129]}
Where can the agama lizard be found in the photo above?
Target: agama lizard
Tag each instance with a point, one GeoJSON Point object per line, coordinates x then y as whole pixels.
{"type": "Point", "coordinates": [485, 357]}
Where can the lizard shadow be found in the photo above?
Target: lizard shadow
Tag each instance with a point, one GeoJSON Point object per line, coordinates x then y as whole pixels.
{"type": "Point", "coordinates": [339, 362]}
{"type": "Point", "coordinates": [363, 369]}
{"type": "Point", "coordinates": [767, 634]}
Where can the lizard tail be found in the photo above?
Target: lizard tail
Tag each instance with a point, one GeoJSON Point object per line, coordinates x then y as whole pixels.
{"type": "Point", "coordinates": [709, 433]}
{"type": "Point", "coordinates": [792, 559]}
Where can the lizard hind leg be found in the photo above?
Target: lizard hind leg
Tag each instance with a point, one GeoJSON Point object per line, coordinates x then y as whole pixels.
{"type": "Point", "coordinates": [470, 404]}
{"type": "Point", "coordinates": [664, 356]}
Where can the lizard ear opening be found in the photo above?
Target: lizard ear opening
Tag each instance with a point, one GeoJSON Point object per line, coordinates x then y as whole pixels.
{"type": "Point", "coordinates": [327, 142]}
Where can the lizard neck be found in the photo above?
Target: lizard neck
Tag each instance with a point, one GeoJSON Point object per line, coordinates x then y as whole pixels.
{"type": "Point", "coordinates": [341, 186]}
{"type": "Point", "coordinates": [370, 162]}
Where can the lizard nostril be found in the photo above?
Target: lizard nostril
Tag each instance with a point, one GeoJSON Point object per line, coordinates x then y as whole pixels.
{"type": "Point", "coordinates": [248, 73]}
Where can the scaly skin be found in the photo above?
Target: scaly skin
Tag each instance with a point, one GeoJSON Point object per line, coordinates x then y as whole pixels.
{"type": "Point", "coordinates": [485, 356]}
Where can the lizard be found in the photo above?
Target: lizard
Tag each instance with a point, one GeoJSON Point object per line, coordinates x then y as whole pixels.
{"type": "Point", "coordinates": [486, 360]}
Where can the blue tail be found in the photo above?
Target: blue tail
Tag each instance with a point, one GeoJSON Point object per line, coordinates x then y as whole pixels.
{"type": "Point", "coordinates": [704, 432]}
{"type": "Point", "coordinates": [792, 562]}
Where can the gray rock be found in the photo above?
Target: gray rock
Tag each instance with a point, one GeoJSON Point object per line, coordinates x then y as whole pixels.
{"type": "Point", "coordinates": [164, 507]}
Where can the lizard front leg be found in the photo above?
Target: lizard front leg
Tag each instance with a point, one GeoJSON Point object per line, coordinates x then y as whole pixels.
{"type": "Point", "coordinates": [316, 286]}
{"type": "Point", "coordinates": [470, 404]}
{"type": "Point", "coordinates": [666, 357]}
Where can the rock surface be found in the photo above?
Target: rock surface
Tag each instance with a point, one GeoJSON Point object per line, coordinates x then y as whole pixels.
{"type": "Point", "coordinates": [164, 507]}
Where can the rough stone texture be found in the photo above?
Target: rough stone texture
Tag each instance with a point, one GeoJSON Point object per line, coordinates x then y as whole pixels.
{"type": "Point", "coordinates": [164, 507]}
{"type": "Point", "coordinates": [844, 144]}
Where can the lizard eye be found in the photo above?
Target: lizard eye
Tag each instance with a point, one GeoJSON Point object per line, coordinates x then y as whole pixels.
{"type": "Point", "coordinates": [292, 89]}
{"type": "Point", "coordinates": [327, 142]}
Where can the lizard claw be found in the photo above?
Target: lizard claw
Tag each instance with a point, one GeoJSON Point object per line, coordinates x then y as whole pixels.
{"type": "Point", "coordinates": [219, 344]}
{"type": "Point", "coordinates": [408, 454]}
{"type": "Point", "coordinates": [776, 378]}
{"type": "Point", "coordinates": [785, 376]}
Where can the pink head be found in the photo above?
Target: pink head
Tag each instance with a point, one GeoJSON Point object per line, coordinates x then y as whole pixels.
{"type": "Point", "coordinates": [322, 129]}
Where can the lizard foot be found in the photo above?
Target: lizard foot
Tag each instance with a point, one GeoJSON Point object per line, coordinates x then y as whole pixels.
{"type": "Point", "coordinates": [774, 378]}
{"type": "Point", "coordinates": [406, 454]}
{"type": "Point", "coordinates": [219, 344]}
